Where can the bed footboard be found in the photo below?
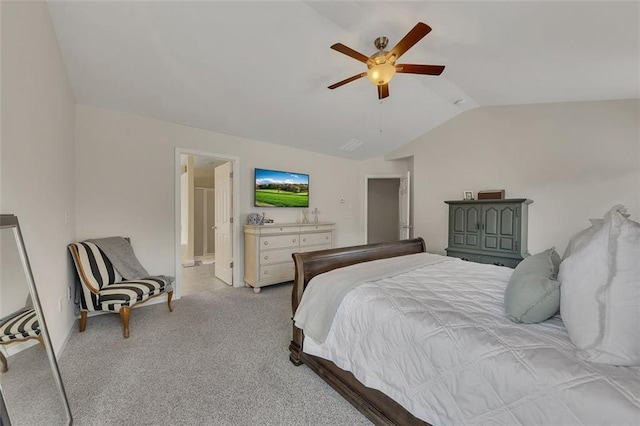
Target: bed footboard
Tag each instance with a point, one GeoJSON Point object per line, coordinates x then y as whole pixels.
{"type": "Point", "coordinates": [375, 405]}
{"type": "Point", "coordinates": [310, 264]}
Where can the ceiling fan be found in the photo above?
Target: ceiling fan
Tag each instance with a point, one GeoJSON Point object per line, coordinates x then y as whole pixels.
{"type": "Point", "coordinates": [382, 64]}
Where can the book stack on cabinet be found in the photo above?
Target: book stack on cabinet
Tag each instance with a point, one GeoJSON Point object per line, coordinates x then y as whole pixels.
{"type": "Point", "coordinates": [268, 249]}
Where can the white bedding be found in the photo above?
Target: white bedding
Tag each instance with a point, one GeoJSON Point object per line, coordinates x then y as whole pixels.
{"type": "Point", "coordinates": [437, 341]}
{"type": "Point", "coordinates": [327, 290]}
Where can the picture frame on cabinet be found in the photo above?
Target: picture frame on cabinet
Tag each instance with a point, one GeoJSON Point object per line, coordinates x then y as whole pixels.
{"type": "Point", "coordinates": [467, 195]}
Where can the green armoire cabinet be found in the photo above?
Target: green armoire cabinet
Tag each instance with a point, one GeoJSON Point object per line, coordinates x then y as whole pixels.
{"type": "Point", "coordinates": [489, 231]}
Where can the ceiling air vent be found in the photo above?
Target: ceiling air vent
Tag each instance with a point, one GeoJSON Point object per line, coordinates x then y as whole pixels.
{"type": "Point", "coordinates": [351, 145]}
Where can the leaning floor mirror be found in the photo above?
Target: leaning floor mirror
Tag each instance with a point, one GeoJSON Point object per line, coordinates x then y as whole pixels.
{"type": "Point", "coordinates": [30, 384]}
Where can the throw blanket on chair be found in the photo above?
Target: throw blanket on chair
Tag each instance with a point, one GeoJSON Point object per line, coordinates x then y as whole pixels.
{"type": "Point", "coordinates": [120, 253]}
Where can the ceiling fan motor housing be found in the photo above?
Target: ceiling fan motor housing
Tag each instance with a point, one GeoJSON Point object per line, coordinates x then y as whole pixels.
{"type": "Point", "coordinates": [381, 42]}
{"type": "Point", "coordinates": [381, 68]}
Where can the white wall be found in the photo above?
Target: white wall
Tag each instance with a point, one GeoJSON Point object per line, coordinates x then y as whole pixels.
{"type": "Point", "coordinates": [37, 166]}
{"type": "Point", "coordinates": [574, 160]}
{"type": "Point", "coordinates": [125, 181]}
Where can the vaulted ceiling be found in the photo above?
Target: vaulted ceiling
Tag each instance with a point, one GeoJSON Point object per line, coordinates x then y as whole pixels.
{"type": "Point", "coordinates": [261, 69]}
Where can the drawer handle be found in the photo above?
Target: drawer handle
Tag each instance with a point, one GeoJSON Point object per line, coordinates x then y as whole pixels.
{"type": "Point", "coordinates": [326, 238]}
{"type": "Point", "coordinates": [266, 272]}
{"type": "Point", "coordinates": [498, 264]}
{"type": "Point", "coordinates": [304, 240]}
{"type": "Point", "coordinates": [266, 258]}
{"type": "Point", "coordinates": [464, 258]}
{"type": "Point", "coordinates": [281, 229]}
{"type": "Point", "coordinates": [294, 240]}
{"type": "Point", "coordinates": [266, 243]}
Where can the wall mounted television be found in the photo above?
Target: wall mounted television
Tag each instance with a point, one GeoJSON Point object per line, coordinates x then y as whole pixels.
{"type": "Point", "coordinates": [275, 188]}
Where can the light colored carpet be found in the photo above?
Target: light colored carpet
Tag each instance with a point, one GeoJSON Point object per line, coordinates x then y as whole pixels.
{"type": "Point", "coordinates": [220, 358]}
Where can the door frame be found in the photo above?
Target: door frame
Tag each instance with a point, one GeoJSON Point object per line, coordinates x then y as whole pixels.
{"type": "Point", "coordinates": [237, 281]}
{"type": "Point", "coordinates": [366, 200]}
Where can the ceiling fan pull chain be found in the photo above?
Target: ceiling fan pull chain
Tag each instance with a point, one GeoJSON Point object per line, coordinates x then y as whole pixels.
{"type": "Point", "coordinates": [380, 117]}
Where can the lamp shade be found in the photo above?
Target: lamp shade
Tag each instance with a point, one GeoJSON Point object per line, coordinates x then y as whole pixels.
{"type": "Point", "coordinates": [381, 74]}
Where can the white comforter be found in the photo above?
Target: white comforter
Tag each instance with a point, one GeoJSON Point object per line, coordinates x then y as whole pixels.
{"type": "Point", "coordinates": [436, 340]}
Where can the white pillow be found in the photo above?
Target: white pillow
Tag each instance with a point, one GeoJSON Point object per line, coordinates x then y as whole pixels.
{"type": "Point", "coordinates": [600, 292]}
{"type": "Point", "coordinates": [580, 238]}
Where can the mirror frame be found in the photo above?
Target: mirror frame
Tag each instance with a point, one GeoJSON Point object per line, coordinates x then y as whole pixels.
{"type": "Point", "coordinates": [9, 221]}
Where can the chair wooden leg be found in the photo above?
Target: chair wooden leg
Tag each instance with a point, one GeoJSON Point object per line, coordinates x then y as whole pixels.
{"type": "Point", "coordinates": [125, 312]}
{"type": "Point", "coordinates": [83, 321]}
{"type": "Point", "coordinates": [169, 297]}
{"type": "Point", "coordinates": [41, 340]}
{"type": "Point", "coordinates": [3, 364]}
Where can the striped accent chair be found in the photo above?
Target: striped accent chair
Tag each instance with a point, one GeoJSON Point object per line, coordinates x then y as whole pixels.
{"type": "Point", "coordinates": [23, 326]}
{"type": "Point", "coordinates": [103, 289]}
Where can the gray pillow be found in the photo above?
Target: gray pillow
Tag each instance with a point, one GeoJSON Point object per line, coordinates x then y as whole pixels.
{"type": "Point", "coordinates": [533, 293]}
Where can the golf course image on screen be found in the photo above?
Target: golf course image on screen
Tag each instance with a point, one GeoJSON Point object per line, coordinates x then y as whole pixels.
{"type": "Point", "coordinates": [281, 189]}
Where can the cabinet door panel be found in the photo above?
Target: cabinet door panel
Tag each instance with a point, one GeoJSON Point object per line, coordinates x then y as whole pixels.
{"type": "Point", "coordinates": [507, 221]}
{"type": "Point", "coordinates": [472, 219]}
{"type": "Point", "coordinates": [500, 223]}
{"type": "Point", "coordinates": [458, 219]}
{"type": "Point", "coordinates": [507, 244]}
{"type": "Point", "coordinates": [490, 242]}
{"type": "Point", "coordinates": [491, 221]}
{"type": "Point", "coordinates": [465, 224]}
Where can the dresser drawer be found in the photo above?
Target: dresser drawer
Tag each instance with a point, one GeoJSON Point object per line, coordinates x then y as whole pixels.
{"type": "Point", "coordinates": [268, 257]}
{"type": "Point", "coordinates": [314, 248]}
{"type": "Point", "coordinates": [315, 239]}
{"type": "Point", "coordinates": [275, 230]}
{"type": "Point", "coordinates": [464, 256]}
{"type": "Point", "coordinates": [481, 258]}
{"type": "Point", "coordinates": [500, 261]}
{"type": "Point", "coordinates": [315, 228]}
{"type": "Point", "coordinates": [279, 241]}
{"type": "Point", "coordinates": [282, 272]}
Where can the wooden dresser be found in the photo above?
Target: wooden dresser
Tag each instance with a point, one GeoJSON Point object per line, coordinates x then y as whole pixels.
{"type": "Point", "coordinates": [489, 231]}
{"type": "Point", "coordinates": [268, 249]}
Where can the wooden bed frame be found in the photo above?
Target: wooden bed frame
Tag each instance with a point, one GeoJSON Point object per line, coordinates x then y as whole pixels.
{"type": "Point", "coordinates": [375, 405]}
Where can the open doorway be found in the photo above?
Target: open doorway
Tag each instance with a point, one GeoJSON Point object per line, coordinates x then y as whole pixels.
{"type": "Point", "coordinates": [387, 207]}
{"type": "Point", "coordinates": [206, 200]}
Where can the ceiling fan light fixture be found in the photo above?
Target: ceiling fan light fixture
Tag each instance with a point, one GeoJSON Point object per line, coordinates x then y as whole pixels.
{"type": "Point", "coordinates": [381, 74]}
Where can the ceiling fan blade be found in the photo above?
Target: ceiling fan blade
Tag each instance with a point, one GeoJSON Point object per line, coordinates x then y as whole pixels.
{"type": "Point", "coordinates": [350, 52]}
{"type": "Point", "coordinates": [383, 91]}
{"type": "Point", "coordinates": [420, 69]}
{"type": "Point", "coordinates": [348, 80]}
{"type": "Point", "coordinates": [415, 35]}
